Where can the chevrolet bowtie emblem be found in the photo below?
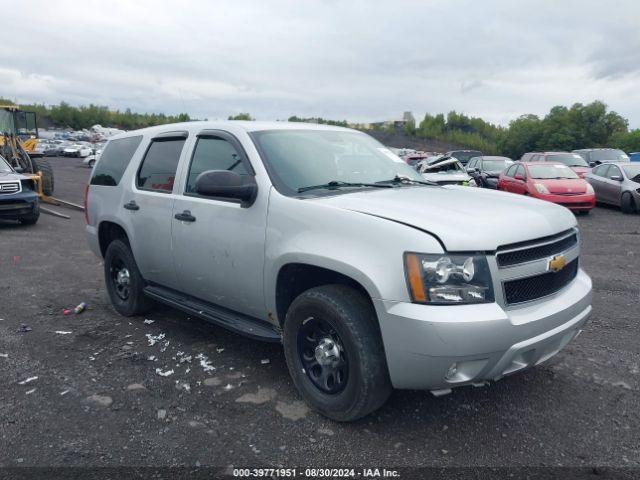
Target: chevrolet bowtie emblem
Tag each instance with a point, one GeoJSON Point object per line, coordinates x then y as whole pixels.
{"type": "Point", "coordinates": [557, 263]}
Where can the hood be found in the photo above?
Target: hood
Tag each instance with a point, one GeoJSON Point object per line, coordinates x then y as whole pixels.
{"type": "Point", "coordinates": [463, 218]}
{"type": "Point", "coordinates": [581, 171]}
{"type": "Point", "coordinates": [8, 176]}
{"type": "Point", "coordinates": [447, 177]}
{"type": "Point", "coordinates": [564, 185]}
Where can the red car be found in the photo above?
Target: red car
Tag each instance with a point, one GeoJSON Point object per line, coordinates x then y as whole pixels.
{"type": "Point", "coordinates": [572, 160]}
{"type": "Point", "coordinates": [554, 182]}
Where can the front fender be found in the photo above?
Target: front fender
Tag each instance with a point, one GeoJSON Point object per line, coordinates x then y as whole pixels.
{"type": "Point", "coordinates": [364, 247]}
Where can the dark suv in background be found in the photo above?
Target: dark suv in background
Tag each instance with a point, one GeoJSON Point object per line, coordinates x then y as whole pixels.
{"type": "Point", "coordinates": [463, 156]}
{"type": "Point", "coordinates": [485, 171]}
{"type": "Point", "coordinates": [596, 156]}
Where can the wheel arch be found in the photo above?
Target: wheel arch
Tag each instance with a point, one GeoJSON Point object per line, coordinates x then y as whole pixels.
{"type": "Point", "coordinates": [109, 231]}
{"type": "Point", "coordinates": [295, 277]}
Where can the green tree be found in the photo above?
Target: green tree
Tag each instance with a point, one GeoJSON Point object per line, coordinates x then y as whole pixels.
{"type": "Point", "coordinates": [241, 116]}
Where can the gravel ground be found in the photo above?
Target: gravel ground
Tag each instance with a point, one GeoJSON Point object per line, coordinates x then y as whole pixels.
{"type": "Point", "coordinates": [100, 398]}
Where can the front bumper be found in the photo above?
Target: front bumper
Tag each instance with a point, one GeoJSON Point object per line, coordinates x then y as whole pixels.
{"type": "Point", "coordinates": [484, 341]}
{"type": "Point", "coordinates": [18, 205]}
{"type": "Point", "coordinates": [572, 202]}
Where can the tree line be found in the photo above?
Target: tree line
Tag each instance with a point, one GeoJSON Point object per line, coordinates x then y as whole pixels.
{"type": "Point", "coordinates": [563, 128]}
{"type": "Point", "coordinates": [65, 115]}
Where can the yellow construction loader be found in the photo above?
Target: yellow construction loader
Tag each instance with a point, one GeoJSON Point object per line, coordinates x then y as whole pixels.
{"type": "Point", "coordinates": [18, 142]}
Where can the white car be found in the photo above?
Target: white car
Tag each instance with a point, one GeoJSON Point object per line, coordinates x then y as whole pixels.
{"type": "Point", "coordinates": [445, 171]}
{"type": "Point", "coordinates": [77, 150]}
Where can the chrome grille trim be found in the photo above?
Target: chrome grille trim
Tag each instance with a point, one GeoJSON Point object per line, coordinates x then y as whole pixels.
{"type": "Point", "coordinates": [7, 188]}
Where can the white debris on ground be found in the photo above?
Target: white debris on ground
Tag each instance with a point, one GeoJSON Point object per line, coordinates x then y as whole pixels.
{"type": "Point", "coordinates": [29, 392]}
{"type": "Point", "coordinates": [148, 322]}
{"type": "Point", "coordinates": [219, 350]}
{"type": "Point", "coordinates": [265, 361]}
{"type": "Point", "coordinates": [63, 393]}
{"type": "Point", "coordinates": [165, 345]}
{"type": "Point", "coordinates": [4, 355]}
{"type": "Point", "coordinates": [151, 358]}
{"type": "Point", "coordinates": [164, 374]}
{"type": "Point", "coordinates": [205, 363]}
{"type": "Point", "coordinates": [153, 339]}
{"type": "Point", "coordinates": [228, 387]}
{"type": "Point", "coordinates": [63, 332]}
{"type": "Point", "coordinates": [28, 380]}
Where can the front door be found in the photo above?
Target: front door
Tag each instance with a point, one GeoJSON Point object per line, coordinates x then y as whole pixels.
{"type": "Point", "coordinates": [612, 188]}
{"type": "Point", "coordinates": [218, 244]}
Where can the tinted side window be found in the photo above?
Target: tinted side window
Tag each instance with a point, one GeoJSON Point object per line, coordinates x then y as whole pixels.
{"type": "Point", "coordinates": [511, 171]}
{"type": "Point", "coordinates": [521, 171]}
{"type": "Point", "coordinates": [114, 161]}
{"type": "Point", "coordinates": [213, 154]}
{"type": "Point", "coordinates": [158, 170]}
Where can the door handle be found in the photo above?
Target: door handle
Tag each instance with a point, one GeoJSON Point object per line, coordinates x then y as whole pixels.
{"type": "Point", "coordinates": [132, 205]}
{"type": "Point", "coordinates": [185, 216]}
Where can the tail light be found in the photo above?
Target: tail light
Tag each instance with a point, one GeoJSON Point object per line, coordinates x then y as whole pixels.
{"type": "Point", "coordinates": [86, 206]}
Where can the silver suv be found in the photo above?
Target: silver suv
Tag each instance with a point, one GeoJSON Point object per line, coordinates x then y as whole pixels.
{"type": "Point", "coordinates": [321, 238]}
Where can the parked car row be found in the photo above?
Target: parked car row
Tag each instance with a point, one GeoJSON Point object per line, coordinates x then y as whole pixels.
{"type": "Point", "coordinates": [576, 180]}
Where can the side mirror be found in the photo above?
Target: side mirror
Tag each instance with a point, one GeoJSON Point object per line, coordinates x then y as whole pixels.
{"type": "Point", "coordinates": [471, 170]}
{"type": "Point", "coordinates": [19, 169]}
{"type": "Point", "coordinates": [617, 178]}
{"type": "Point", "coordinates": [594, 164]}
{"type": "Point", "coordinates": [226, 184]}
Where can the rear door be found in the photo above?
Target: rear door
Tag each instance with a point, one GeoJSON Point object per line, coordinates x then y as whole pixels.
{"type": "Point", "coordinates": [597, 181]}
{"type": "Point", "coordinates": [150, 204]}
{"type": "Point", "coordinates": [219, 250]}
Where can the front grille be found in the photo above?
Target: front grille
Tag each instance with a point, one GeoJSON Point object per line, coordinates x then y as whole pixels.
{"type": "Point", "coordinates": [538, 286]}
{"type": "Point", "coordinates": [536, 253]}
{"type": "Point", "coordinates": [9, 187]}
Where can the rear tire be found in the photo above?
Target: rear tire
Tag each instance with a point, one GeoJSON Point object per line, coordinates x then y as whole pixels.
{"type": "Point", "coordinates": [627, 203]}
{"type": "Point", "coordinates": [362, 384]}
{"type": "Point", "coordinates": [123, 280]}
{"type": "Point", "coordinates": [43, 165]}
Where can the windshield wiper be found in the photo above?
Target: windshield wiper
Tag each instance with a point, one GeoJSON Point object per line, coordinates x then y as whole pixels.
{"type": "Point", "coordinates": [335, 184]}
{"type": "Point", "coordinates": [403, 179]}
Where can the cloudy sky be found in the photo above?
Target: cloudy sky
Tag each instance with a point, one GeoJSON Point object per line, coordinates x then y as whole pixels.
{"type": "Point", "coordinates": [361, 60]}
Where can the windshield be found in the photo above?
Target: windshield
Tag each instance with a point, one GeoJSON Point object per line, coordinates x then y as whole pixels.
{"type": "Point", "coordinates": [632, 171]}
{"type": "Point", "coordinates": [495, 166]}
{"type": "Point", "coordinates": [569, 159]}
{"type": "Point", "coordinates": [297, 159]}
{"type": "Point", "coordinates": [551, 172]}
{"type": "Point", "coordinates": [608, 154]}
{"type": "Point", "coordinates": [4, 166]}
{"type": "Point", "coordinates": [464, 157]}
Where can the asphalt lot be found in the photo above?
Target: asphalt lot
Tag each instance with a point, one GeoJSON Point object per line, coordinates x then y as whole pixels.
{"type": "Point", "coordinates": [98, 400]}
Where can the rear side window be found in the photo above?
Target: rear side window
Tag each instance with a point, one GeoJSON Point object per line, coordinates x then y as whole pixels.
{"type": "Point", "coordinates": [511, 171]}
{"type": "Point", "coordinates": [213, 153]}
{"type": "Point", "coordinates": [158, 170]}
{"type": "Point", "coordinates": [114, 161]}
{"type": "Point", "coordinates": [601, 171]}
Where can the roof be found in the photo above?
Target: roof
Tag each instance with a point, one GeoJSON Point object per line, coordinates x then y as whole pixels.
{"type": "Point", "coordinates": [231, 125]}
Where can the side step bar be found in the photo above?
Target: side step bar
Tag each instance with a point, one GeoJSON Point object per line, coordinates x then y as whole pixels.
{"type": "Point", "coordinates": [237, 322]}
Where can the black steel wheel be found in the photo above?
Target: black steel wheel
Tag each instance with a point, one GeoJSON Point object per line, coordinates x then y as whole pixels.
{"type": "Point", "coordinates": [124, 282]}
{"type": "Point", "coordinates": [334, 352]}
{"type": "Point", "coordinates": [323, 355]}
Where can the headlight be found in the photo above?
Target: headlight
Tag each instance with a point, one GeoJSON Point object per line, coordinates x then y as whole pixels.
{"type": "Point", "coordinates": [541, 188]}
{"type": "Point", "coordinates": [448, 279]}
{"type": "Point", "coordinates": [589, 189]}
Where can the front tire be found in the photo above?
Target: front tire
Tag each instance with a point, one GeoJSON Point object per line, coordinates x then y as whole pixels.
{"type": "Point", "coordinates": [334, 352]}
{"type": "Point", "coordinates": [627, 203]}
{"type": "Point", "coordinates": [31, 219]}
{"type": "Point", "coordinates": [123, 280]}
